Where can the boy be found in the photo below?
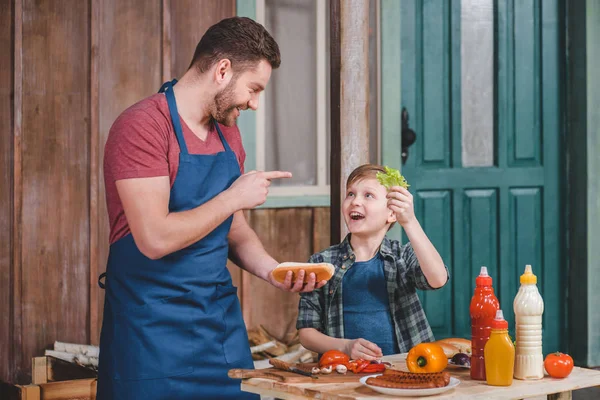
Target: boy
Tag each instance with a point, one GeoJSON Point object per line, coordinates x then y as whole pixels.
{"type": "Point", "coordinates": [370, 308]}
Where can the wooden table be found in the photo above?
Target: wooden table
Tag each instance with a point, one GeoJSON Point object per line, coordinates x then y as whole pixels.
{"type": "Point", "coordinates": [468, 389]}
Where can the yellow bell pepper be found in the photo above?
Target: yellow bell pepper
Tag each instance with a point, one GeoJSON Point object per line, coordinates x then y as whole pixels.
{"type": "Point", "coordinates": [426, 357]}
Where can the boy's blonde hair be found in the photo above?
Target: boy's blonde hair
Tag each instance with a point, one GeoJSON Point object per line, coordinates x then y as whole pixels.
{"type": "Point", "coordinates": [363, 172]}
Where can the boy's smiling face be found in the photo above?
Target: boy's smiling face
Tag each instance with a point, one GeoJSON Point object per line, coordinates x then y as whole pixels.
{"type": "Point", "coordinates": [365, 207]}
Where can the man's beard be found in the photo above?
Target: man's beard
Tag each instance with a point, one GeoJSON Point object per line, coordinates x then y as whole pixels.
{"type": "Point", "coordinates": [224, 112]}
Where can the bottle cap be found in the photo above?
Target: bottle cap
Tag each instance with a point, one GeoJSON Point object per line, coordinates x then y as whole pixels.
{"type": "Point", "coordinates": [499, 322]}
{"type": "Point", "coordinates": [528, 278]}
{"type": "Point", "coordinates": [483, 279]}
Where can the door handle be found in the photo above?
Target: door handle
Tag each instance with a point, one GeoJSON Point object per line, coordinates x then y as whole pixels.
{"type": "Point", "coordinates": [408, 135]}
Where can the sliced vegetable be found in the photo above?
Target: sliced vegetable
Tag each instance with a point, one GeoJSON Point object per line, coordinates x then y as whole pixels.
{"type": "Point", "coordinates": [392, 177]}
{"type": "Point", "coordinates": [333, 357]}
{"type": "Point", "coordinates": [558, 365]}
{"type": "Point", "coordinates": [426, 357]}
{"type": "Point", "coordinates": [374, 368]}
{"type": "Point", "coordinates": [461, 359]}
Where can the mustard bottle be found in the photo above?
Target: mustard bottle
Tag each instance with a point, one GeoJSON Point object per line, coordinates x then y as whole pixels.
{"type": "Point", "coordinates": [499, 354]}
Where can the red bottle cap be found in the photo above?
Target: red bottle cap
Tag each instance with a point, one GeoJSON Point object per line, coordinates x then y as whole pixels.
{"type": "Point", "coordinates": [499, 322]}
{"type": "Point", "coordinates": [483, 279]}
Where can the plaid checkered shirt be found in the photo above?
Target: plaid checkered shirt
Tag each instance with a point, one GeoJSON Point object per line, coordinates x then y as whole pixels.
{"type": "Point", "coordinates": [322, 309]}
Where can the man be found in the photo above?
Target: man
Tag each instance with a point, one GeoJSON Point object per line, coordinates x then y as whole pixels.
{"type": "Point", "coordinates": [172, 323]}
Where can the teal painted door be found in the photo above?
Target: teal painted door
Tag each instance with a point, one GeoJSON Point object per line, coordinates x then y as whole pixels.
{"type": "Point", "coordinates": [508, 213]}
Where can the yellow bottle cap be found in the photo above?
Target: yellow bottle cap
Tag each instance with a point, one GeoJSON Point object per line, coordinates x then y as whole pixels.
{"type": "Point", "coordinates": [528, 278]}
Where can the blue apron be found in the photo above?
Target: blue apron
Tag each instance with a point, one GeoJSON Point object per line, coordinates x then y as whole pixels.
{"type": "Point", "coordinates": [173, 327]}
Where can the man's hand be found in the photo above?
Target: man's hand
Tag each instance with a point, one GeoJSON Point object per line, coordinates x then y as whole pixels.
{"type": "Point", "coordinates": [362, 348]}
{"type": "Point", "coordinates": [299, 285]}
{"type": "Point", "coordinates": [250, 190]}
{"type": "Point", "coordinates": [400, 201]}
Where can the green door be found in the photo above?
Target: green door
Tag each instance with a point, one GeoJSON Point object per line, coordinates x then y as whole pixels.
{"type": "Point", "coordinates": [480, 83]}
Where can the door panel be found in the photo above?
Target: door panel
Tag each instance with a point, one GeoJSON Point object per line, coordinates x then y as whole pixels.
{"type": "Point", "coordinates": [505, 215]}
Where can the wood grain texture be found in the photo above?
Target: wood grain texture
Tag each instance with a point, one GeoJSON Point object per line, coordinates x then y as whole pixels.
{"type": "Point", "coordinates": [354, 92]}
{"type": "Point", "coordinates": [6, 171]}
{"type": "Point", "coordinates": [321, 229]}
{"type": "Point", "coordinates": [335, 65]}
{"type": "Point", "coordinates": [189, 20]}
{"type": "Point", "coordinates": [286, 235]}
{"type": "Point", "coordinates": [130, 70]}
{"type": "Point", "coordinates": [17, 192]}
{"type": "Point", "coordinates": [93, 308]}
{"type": "Point", "coordinates": [55, 143]}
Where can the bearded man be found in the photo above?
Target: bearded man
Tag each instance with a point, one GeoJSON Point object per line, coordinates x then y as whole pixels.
{"type": "Point", "coordinates": [175, 191]}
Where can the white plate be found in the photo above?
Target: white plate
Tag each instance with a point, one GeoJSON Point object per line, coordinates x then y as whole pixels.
{"type": "Point", "coordinates": [410, 392]}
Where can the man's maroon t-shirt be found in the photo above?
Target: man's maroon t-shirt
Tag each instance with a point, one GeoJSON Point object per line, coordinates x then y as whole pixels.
{"type": "Point", "coordinates": [142, 144]}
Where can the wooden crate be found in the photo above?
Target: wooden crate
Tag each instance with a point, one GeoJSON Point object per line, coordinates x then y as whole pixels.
{"type": "Point", "coordinates": [54, 379]}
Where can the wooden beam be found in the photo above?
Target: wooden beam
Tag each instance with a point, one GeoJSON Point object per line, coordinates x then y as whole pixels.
{"type": "Point", "coordinates": [75, 389]}
{"type": "Point", "coordinates": [349, 99]}
{"type": "Point", "coordinates": [16, 334]}
{"type": "Point", "coordinates": [335, 137]}
{"type": "Point", "coordinates": [94, 170]}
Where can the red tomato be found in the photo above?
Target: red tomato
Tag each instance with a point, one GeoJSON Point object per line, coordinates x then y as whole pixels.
{"type": "Point", "coordinates": [333, 357]}
{"type": "Point", "coordinates": [558, 365]}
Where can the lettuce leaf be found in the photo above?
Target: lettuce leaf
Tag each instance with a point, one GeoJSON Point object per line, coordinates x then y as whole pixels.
{"type": "Point", "coordinates": [391, 178]}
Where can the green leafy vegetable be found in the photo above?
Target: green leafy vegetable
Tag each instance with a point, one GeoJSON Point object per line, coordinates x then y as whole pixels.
{"type": "Point", "coordinates": [391, 178]}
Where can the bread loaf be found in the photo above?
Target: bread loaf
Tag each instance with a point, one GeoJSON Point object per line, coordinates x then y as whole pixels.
{"type": "Point", "coordinates": [323, 271]}
{"type": "Point", "coordinates": [463, 345]}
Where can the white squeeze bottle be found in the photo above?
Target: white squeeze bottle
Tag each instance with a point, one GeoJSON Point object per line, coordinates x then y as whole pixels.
{"type": "Point", "coordinates": [528, 307]}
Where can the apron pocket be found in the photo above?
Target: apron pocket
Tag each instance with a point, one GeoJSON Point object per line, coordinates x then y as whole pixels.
{"type": "Point", "coordinates": [154, 340]}
{"type": "Point", "coordinates": [235, 341]}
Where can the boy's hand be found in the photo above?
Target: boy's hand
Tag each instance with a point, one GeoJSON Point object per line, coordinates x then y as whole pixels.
{"type": "Point", "coordinates": [400, 201]}
{"type": "Point", "coordinates": [297, 286]}
{"type": "Point", "coordinates": [362, 348]}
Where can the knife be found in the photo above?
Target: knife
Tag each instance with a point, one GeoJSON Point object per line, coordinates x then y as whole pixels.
{"type": "Point", "coordinates": [282, 365]}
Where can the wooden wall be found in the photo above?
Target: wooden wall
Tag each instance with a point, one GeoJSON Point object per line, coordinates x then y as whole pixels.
{"type": "Point", "coordinates": [71, 68]}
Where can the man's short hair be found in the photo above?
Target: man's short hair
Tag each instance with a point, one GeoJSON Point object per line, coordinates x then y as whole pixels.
{"type": "Point", "coordinates": [241, 40]}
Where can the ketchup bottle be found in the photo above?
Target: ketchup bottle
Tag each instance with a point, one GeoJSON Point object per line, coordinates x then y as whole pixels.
{"type": "Point", "coordinates": [484, 306]}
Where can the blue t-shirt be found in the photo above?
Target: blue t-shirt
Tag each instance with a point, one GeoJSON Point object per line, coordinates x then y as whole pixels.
{"type": "Point", "coordinates": [367, 312]}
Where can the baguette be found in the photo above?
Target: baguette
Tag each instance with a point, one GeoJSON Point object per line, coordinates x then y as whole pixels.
{"type": "Point", "coordinates": [463, 345]}
{"type": "Point", "coordinates": [323, 271]}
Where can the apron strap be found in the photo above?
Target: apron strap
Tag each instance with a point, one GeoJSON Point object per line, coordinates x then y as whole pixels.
{"type": "Point", "coordinates": [223, 141]}
{"type": "Point", "coordinates": [167, 89]}
{"type": "Point", "coordinates": [100, 283]}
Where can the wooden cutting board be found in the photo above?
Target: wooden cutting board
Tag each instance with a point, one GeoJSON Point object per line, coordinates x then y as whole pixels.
{"type": "Point", "coordinates": [291, 377]}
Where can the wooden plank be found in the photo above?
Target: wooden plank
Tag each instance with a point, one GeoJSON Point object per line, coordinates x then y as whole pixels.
{"type": "Point", "coordinates": [79, 389]}
{"type": "Point", "coordinates": [189, 20]}
{"type": "Point", "coordinates": [287, 235]}
{"type": "Point", "coordinates": [6, 171]}
{"type": "Point", "coordinates": [166, 41]}
{"type": "Point", "coordinates": [335, 168]}
{"type": "Point", "coordinates": [39, 370]}
{"type": "Point", "coordinates": [290, 377]}
{"type": "Point", "coordinates": [55, 158]}
{"type": "Point", "coordinates": [94, 171]}
{"type": "Point", "coordinates": [354, 91]}
{"type": "Point", "coordinates": [60, 370]}
{"type": "Point", "coordinates": [129, 71]}
{"type": "Point", "coordinates": [17, 191]}
{"type": "Point", "coordinates": [29, 392]}
{"type": "Point", "coordinates": [321, 229]}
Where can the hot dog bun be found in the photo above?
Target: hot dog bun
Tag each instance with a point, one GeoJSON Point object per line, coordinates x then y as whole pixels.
{"type": "Point", "coordinates": [323, 271]}
{"type": "Point", "coordinates": [449, 349]}
{"type": "Point", "coordinates": [463, 345]}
